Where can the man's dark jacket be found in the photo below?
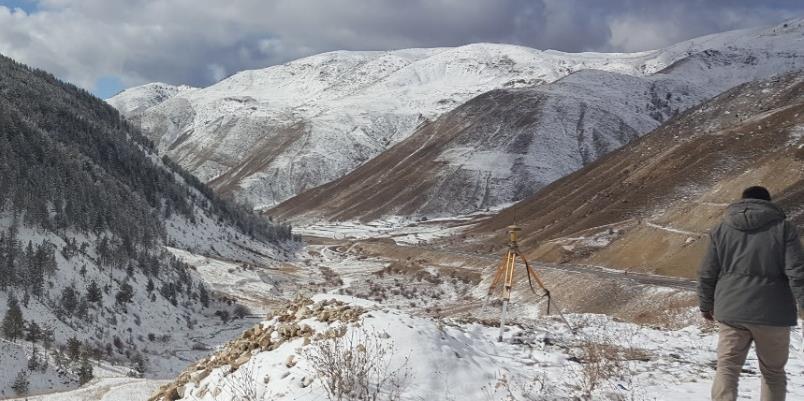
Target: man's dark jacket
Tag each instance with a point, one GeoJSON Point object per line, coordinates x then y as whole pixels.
{"type": "Point", "coordinates": [753, 272]}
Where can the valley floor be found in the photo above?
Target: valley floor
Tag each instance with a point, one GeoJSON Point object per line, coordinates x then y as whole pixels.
{"type": "Point", "coordinates": [429, 305]}
{"type": "Point", "coordinates": [105, 389]}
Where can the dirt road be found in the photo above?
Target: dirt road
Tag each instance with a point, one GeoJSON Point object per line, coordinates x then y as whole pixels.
{"type": "Point", "coordinates": [345, 247]}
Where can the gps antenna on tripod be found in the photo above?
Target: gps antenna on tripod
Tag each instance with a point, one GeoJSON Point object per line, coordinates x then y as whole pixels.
{"type": "Point", "coordinates": [505, 276]}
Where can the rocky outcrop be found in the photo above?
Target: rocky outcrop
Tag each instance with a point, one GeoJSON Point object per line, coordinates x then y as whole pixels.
{"type": "Point", "coordinates": [283, 325]}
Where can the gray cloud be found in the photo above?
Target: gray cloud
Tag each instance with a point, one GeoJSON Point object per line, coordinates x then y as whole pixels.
{"type": "Point", "coordinates": [200, 41]}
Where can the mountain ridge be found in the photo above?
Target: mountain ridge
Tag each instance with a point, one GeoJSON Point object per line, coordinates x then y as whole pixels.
{"type": "Point", "coordinates": [266, 135]}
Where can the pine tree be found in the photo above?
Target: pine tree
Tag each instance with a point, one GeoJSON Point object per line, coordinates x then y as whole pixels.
{"type": "Point", "coordinates": [21, 383]}
{"type": "Point", "coordinates": [49, 262]}
{"type": "Point", "coordinates": [13, 322]}
{"type": "Point", "coordinates": [73, 348]}
{"type": "Point", "coordinates": [82, 310]}
{"type": "Point", "coordinates": [33, 332]}
{"type": "Point", "coordinates": [8, 271]}
{"type": "Point", "coordinates": [48, 337]}
{"type": "Point", "coordinates": [85, 371]}
{"type": "Point", "coordinates": [168, 290]}
{"type": "Point", "coordinates": [139, 363]}
{"type": "Point", "coordinates": [69, 299]}
{"type": "Point", "coordinates": [33, 361]}
{"type": "Point", "coordinates": [203, 295]}
{"type": "Point", "coordinates": [94, 294]}
{"type": "Point", "coordinates": [58, 359]}
{"type": "Point", "coordinates": [125, 294]}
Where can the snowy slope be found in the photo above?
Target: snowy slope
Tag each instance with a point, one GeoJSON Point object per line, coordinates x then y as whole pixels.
{"type": "Point", "coordinates": [447, 359]}
{"type": "Point", "coordinates": [91, 268]}
{"type": "Point", "coordinates": [268, 134]}
{"type": "Point", "coordinates": [136, 100]}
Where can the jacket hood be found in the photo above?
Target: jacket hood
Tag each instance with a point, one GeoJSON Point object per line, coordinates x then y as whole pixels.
{"type": "Point", "coordinates": [753, 214]}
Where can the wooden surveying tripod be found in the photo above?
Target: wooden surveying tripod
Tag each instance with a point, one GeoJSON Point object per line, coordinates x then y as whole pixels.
{"type": "Point", "coordinates": [505, 275]}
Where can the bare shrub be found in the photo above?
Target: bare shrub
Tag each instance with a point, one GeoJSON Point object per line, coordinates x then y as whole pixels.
{"type": "Point", "coordinates": [242, 384]}
{"type": "Point", "coordinates": [240, 311]}
{"type": "Point", "coordinates": [359, 366]}
{"type": "Point", "coordinates": [512, 388]}
{"type": "Point", "coordinates": [599, 362]}
{"type": "Point", "coordinates": [602, 361]}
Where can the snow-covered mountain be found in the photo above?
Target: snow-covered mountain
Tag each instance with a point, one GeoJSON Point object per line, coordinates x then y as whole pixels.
{"type": "Point", "coordinates": [507, 144]}
{"type": "Point", "coordinates": [88, 212]}
{"type": "Point", "coordinates": [498, 148]}
{"type": "Point", "coordinates": [140, 98]}
{"type": "Point", "coordinates": [266, 135]}
{"type": "Point", "coordinates": [269, 134]}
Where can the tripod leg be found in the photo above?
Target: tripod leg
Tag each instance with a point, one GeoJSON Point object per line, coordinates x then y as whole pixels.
{"type": "Point", "coordinates": [509, 272]}
{"type": "Point", "coordinates": [532, 273]}
{"type": "Point", "coordinates": [509, 278]}
{"type": "Point", "coordinates": [502, 320]}
{"type": "Point", "coordinates": [498, 276]}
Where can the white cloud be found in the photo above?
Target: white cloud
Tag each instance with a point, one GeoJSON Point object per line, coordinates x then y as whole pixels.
{"type": "Point", "coordinates": [199, 41]}
{"type": "Point", "coordinates": [634, 34]}
{"type": "Point", "coordinates": [217, 71]}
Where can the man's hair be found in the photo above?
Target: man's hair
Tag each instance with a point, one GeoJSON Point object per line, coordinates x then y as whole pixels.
{"type": "Point", "coordinates": [756, 193]}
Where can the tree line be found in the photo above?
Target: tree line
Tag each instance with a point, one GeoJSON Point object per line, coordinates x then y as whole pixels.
{"type": "Point", "coordinates": [69, 160]}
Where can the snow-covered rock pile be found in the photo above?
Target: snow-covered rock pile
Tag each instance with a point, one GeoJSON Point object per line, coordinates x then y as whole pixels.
{"type": "Point", "coordinates": [284, 326]}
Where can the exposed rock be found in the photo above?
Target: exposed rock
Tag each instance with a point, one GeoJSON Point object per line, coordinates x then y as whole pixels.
{"type": "Point", "coordinates": [291, 361]}
{"type": "Point", "coordinates": [265, 337]}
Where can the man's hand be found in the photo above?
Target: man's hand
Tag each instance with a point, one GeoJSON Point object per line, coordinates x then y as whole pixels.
{"type": "Point", "coordinates": [707, 315]}
{"type": "Point", "coordinates": [801, 313]}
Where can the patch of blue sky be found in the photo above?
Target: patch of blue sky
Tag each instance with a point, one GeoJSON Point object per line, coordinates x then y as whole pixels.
{"type": "Point", "coordinates": [29, 6]}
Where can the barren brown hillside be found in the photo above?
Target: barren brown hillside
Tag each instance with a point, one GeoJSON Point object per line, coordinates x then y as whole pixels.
{"type": "Point", "coordinates": [648, 205]}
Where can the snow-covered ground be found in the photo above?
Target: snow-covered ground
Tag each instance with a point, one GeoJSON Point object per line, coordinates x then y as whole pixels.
{"type": "Point", "coordinates": [400, 229]}
{"type": "Point", "coordinates": [164, 336]}
{"type": "Point", "coordinates": [449, 360]}
{"type": "Point", "coordinates": [445, 356]}
{"type": "Point", "coordinates": [252, 286]}
{"type": "Point", "coordinates": [104, 389]}
{"type": "Point", "coordinates": [539, 360]}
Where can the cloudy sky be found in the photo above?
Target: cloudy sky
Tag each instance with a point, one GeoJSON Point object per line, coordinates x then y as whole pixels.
{"type": "Point", "coordinates": [108, 45]}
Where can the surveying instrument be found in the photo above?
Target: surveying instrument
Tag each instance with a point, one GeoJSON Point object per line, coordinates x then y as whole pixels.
{"type": "Point", "coordinates": [505, 275]}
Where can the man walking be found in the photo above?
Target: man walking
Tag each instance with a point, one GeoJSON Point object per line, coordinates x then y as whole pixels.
{"type": "Point", "coordinates": [750, 281]}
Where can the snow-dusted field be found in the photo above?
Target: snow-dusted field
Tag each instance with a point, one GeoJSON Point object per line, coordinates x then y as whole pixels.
{"type": "Point", "coordinates": [400, 230]}
{"type": "Point", "coordinates": [105, 389]}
